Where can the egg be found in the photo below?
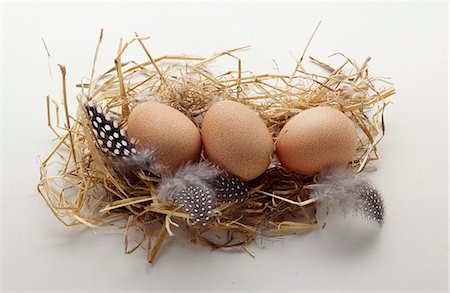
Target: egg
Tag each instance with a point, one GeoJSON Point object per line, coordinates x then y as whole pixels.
{"type": "Point", "coordinates": [316, 139]}
{"type": "Point", "coordinates": [237, 139]}
{"type": "Point", "coordinates": [174, 137]}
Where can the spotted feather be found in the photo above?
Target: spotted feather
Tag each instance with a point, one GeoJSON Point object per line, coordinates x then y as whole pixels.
{"type": "Point", "coordinates": [197, 201]}
{"type": "Point", "coordinates": [343, 191]}
{"type": "Point", "coordinates": [110, 136]}
{"type": "Point", "coordinates": [371, 203]}
{"type": "Point", "coordinates": [230, 189]}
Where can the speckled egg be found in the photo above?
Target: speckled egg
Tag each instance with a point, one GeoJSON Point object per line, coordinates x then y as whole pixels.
{"type": "Point", "coordinates": [316, 139]}
{"type": "Point", "coordinates": [237, 139]}
{"type": "Point", "coordinates": [174, 137]}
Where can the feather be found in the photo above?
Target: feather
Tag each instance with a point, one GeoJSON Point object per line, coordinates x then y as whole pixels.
{"type": "Point", "coordinates": [110, 136]}
{"type": "Point", "coordinates": [197, 202]}
{"type": "Point", "coordinates": [144, 160]}
{"type": "Point", "coordinates": [199, 174]}
{"type": "Point", "coordinates": [344, 192]}
{"type": "Point", "coordinates": [199, 188]}
{"type": "Point", "coordinates": [230, 189]}
{"type": "Point", "coordinates": [371, 203]}
{"type": "Point", "coordinates": [113, 140]}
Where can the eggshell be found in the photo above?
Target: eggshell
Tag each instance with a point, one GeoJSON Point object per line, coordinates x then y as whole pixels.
{"type": "Point", "coordinates": [175, 138]}
{"type": "Point", "coordinates": [237, 139]}
{"type": "Point", "coordinates": [316, 139]}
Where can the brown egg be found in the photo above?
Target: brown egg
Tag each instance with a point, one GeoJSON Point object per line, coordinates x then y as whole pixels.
{"type": "Point", "coordinates": [316, 139]}
{"type": "Point", "coordinates": [173, 135]}
{"type": "Point", "coordinates": [237, 139]}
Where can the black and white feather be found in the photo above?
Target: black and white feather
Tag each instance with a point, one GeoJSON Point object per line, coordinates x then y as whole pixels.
{"type": "Point", "coordinates": [345, 192]}
{"type": "Point", "coordinates": [113, 140]}
{"type": "Point", "coordinates": [197, 201]}
{"type": "Point", "coordinates": [199, 188]}
{"type": "Point", "coordinates": [191, 187]}
{"type": "Point", "coordinates": [110, 136]}
{"type": "Point", "coordinates": [230, 189]}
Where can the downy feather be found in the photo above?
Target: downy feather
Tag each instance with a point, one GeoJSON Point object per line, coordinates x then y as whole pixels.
{"type": "Point", "coordinates": [199, 174]}
{"type": "Point", "coordinates": [345, 192]}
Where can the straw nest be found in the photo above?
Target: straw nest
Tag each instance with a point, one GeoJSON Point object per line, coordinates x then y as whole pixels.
{"type": "Point", "coordinates": [81, 186]}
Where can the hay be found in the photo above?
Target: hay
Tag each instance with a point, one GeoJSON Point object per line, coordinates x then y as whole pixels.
{"type": "Point", "coordinates": [83, 188]}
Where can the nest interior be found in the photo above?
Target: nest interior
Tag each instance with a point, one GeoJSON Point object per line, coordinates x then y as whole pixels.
{"type": "Point", "coordinates": [82, 187]}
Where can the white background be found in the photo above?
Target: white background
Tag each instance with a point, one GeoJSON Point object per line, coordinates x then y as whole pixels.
{"type": "Point", "coordinates": [407, 41]}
